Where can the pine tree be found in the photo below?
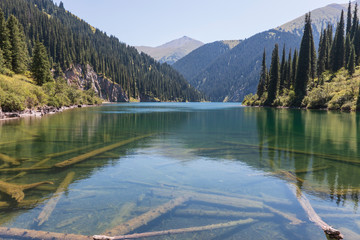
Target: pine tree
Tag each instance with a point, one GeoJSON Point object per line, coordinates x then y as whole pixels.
{"type": "Point", "coordinates": [18, 49]}
{"type": "Point", "coordinates": [263, 77]}
{"type": "Point", "coordinates": [348, 47]}
{"type": "Point", "coordinates": [4, 41]}
{"type": "Point", "coordinates": [355, 23]}
{"type": "Point", "coordinates": [349, 19]}
{"type": "Point", "coordinates": [313, 54]}
{"type": "Point", "coordinates": [282, 72]}
{"type": "Point", "coordinates": [304, 69]}
{"type": "Point", "coordinates": [329, 41]}
{"type": "Point", "coordinates": [274, 76]}
{"type": "Point", "coordinates": [338, 46]}
{"type": "Point", "coordinates": [294, 68]}
{"type": "Point", "coordinates": [289, 71]}
{"type": "Point", "coordinates": [351, 64]}
{"type": "Point", "coordinates": [40, 67]}
{"type": "Point", "coordinates": [322, 53]}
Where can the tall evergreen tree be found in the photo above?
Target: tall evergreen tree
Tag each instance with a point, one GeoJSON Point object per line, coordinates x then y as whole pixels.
{"type": "Point", "coordinates": [351, 64]}
{"type": "Point", "coordinates": [274, 76]}
{"type": "Point", "coordinates": [304, 69]}
{"type": "Point", "coordinates": [282, 72]}
{"type": "Point", "coordinates": [313, 54]}
{"type": "Point", "coordinates": [355, 22]}
{"type": "Point", "coordinates": [263, 77]}
{"type": "Point", "coordinates": [40, 67]}
{"type": "Point", "coordinates": [348, 46]}
{"type": "Point", "coordinates": [321, 65]}
{"type": "Point", "coordinates": [329, 41]}
{"type": "Point", "coordinates": [294, 68]}
{"type": "Point", "coordinates": [4, 41]}
{"type": "Point", "coordinates": [18, 46]}
{"type": "Point", "coordinates": [349, 19]}
{"type": "Point", "coordinates": [289, 71]}
{"type": "Point", "coordinates": [338, 46]}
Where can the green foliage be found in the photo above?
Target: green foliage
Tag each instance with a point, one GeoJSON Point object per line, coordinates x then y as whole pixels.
{"type": "Point", "coordinates": [274, 76]}
{"type": "Point", "coordinates": [338, 47]}
{"type": "Point", "coordinates": [69, 41]}
{"type": "Point", "coordinates": [40, 66]}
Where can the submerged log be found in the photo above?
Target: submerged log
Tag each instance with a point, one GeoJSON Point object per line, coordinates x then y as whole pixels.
{"type": "Point", "coordinates": [293, 220]}
{"type": "Point", "coordinates": [23, 204]}
{"type": "Point", "coordinates": [176, 231]}
{"type": "Point", "coordinates": [98, 151]}
{"type": "Point", "coordinates": [8, 159]}
{"type": "Point", "coordinates": [38, 235]}
{"type": "Point", "coordinates": [210, 198]}
{"type": "Point", "coordinates": [16, 191]}
{"type": "Point", "coordinates": [51, 204]}
{"type": "Point", "coordinates": [147, 217]}
{"type": "Point", "coordinates": [36, 165]}
{"type": "Point", "coordinates": [218, 213]}
{"type": "Point", "coordinates": [313, 216]}
{"type": "Point", "coordinates": [52, 155]}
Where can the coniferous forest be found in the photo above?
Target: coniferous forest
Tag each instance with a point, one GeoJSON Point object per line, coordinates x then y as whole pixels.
{"type": "Point", "coordinates": [310, 78]}
{"type": "Point", "coordinates": [37, 35]}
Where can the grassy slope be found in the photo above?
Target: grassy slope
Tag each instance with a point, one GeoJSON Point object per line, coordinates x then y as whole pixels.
{"type": "Point", "coordinates": [19, 92]}
{"type": "Point", "coordinates": [339, 92]}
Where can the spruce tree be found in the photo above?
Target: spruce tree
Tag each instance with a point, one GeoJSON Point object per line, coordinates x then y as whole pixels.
{"type": "Point", "coordinates": [329, 41]}
{"type": "Point", "coordinates": [294, 68]}
{"type": "Point", "coordinates": [321, 65]}
{"type": "Point", "coordinates": [289, 71]}
{"type": "Point", "coordinates": [282, 72]}
{"type": "Point", "coordinates": [355, 22]}
{"type": "Point", "coordinates": [313, 54]}
{"type": "Point", "coordinates": [4, 41]}
{"type": "Point", "coordinates": [40, 67]}
{"type": "Point", "coordinates": [19, 54]}
{"type": "Point", "coordinates": [338, 46]}
{"type": "Point", "coordinates": [348, 46]}
{"type": "Point", "coordinates": [304, 69]}
{"type": "Point", "coordinates": [349, 19]}
{"type": "Point", "coordinates": [274, 76]}
{"type": "Point", "coordinates": [351, 64]}
{"type": "Point", "coordinates": [263, 77]}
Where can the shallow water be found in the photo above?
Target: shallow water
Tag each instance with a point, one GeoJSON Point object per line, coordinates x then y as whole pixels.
{"type": "Point", "coordinates": [204, 150]}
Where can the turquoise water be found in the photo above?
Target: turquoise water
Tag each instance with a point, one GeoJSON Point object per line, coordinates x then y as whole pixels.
{"type": "Point", "coordinates": [207, 151]}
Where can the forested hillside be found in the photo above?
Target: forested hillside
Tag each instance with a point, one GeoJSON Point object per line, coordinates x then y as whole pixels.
{"type": "Point", "coordinates": [327, 78]}
{"type": "Point", "coordinates": [70, 41]}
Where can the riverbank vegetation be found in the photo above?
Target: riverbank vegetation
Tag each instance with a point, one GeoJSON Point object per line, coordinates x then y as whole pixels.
{"type": "Point", "coordinates": [327, 80]}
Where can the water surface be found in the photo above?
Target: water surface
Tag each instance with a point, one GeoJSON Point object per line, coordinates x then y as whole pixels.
{"type": "Point", "coordinates": [222, 150]}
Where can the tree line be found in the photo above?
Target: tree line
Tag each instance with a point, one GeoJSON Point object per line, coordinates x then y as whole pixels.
{"type": "Point", "coordinates": [69, 40]}
{"type": "Point", "coordinates": [289, 81]}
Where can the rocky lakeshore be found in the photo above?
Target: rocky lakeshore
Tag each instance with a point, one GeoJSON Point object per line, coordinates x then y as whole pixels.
{"type": "Point", "coordinates": [38, 112]}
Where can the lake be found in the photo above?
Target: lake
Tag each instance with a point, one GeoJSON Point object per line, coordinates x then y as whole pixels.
{"type": "Point", "coordinates": [207, 163]}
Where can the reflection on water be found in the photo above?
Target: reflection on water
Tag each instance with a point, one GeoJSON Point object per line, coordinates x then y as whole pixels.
{"type": "Point", "coordinates": [232, 162]}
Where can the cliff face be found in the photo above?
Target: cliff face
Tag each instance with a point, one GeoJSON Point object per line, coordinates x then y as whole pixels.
{"type": "Point", "coordinates": [84, 77]}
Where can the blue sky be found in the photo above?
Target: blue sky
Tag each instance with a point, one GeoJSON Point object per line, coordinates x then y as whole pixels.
{"type": "Point", "coordinates": [154, 22]}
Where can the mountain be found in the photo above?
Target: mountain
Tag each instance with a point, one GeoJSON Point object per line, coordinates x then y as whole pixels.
{"type": "Point", "coordinates": [75, 46]}
{"type": "Point", "coordinates": [172, 51]}
{"type": "Point", "coordinates": [232, 74]}
{"type": "Point", "coordinates": [199, 59]}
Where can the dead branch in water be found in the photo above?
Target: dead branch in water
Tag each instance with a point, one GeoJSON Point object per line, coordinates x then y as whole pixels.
{"type": "Point", "coordinates": [176, 231]}
{"type": "Point", "coordinates": [17, 191]}
{"type": "Point", "coordinates": [51, 204]}
{"type": "Point", "coordinates": [8, 159]}
{"type": "Point", "coordinates": [145, 218]}
{"type": "Point", "coordinates": [98, 151]}
{"type": "Point", "coordinates": [38, 235]}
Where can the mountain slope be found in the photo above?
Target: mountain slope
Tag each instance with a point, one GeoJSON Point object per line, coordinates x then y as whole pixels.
{"type": "Point", "coordinates": [172, 51]}
{"type": "Point", "coordinates": [199, 59]}
{"type": "Point", "coordinates": [71, 41]}
{"type": "Point", "coordinates": [235, 73]}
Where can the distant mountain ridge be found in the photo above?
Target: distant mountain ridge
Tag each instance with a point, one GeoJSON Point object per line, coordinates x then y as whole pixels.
{"type": "Point", "coordinates": [232, 74]}
{"type": "Point", "coordinates": [172, 51]}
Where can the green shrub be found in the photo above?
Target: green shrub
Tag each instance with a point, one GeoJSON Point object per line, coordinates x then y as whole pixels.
{"type": "Point", "coordinates": [317, 98]}
{"type": "Point", "coordinates": [11, 102]}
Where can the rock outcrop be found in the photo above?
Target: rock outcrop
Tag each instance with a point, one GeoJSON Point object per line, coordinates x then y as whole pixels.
{"type": "Point", "coordinates": [84, 77]}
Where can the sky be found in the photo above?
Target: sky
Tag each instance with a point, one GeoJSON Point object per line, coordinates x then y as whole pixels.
{"type": "Point", "coordinates": [155, 22]}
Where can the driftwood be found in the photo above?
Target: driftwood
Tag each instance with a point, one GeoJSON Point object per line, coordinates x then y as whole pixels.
{"type": "Point", "coordinates": [125, 213]}
{"type": "Point", "coordinates": [51, 204]}
{"type": "Point", "coordinates": [313, 216]}
{"type": "Point", "coordinates": [293, 220]}
{"type": "Point", "coordinates": [23, 169]}
{"type": "Point", "coordinates": [176, 231]}
{"type": "Point", "coordinates": [17, 191]}
{"type": "Point", "coordinates": [8, 159]}
{"type": "Point", "coordinates": [38, 235]}
{"type": "Point", "coordinates": [38, 164]}
{"type": "Point", "coordinates": [145, 218]}
{"type": "Point", "coordinates": [210, 198]}
{"type": "Point", "coordinates": [218, 213]}
{"type": "Point", "coordinates": [96, 152]}
{"type": "Point", "coordinates": [22, 204]}
{"type": "Point", "coordinates": [52, 155]}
